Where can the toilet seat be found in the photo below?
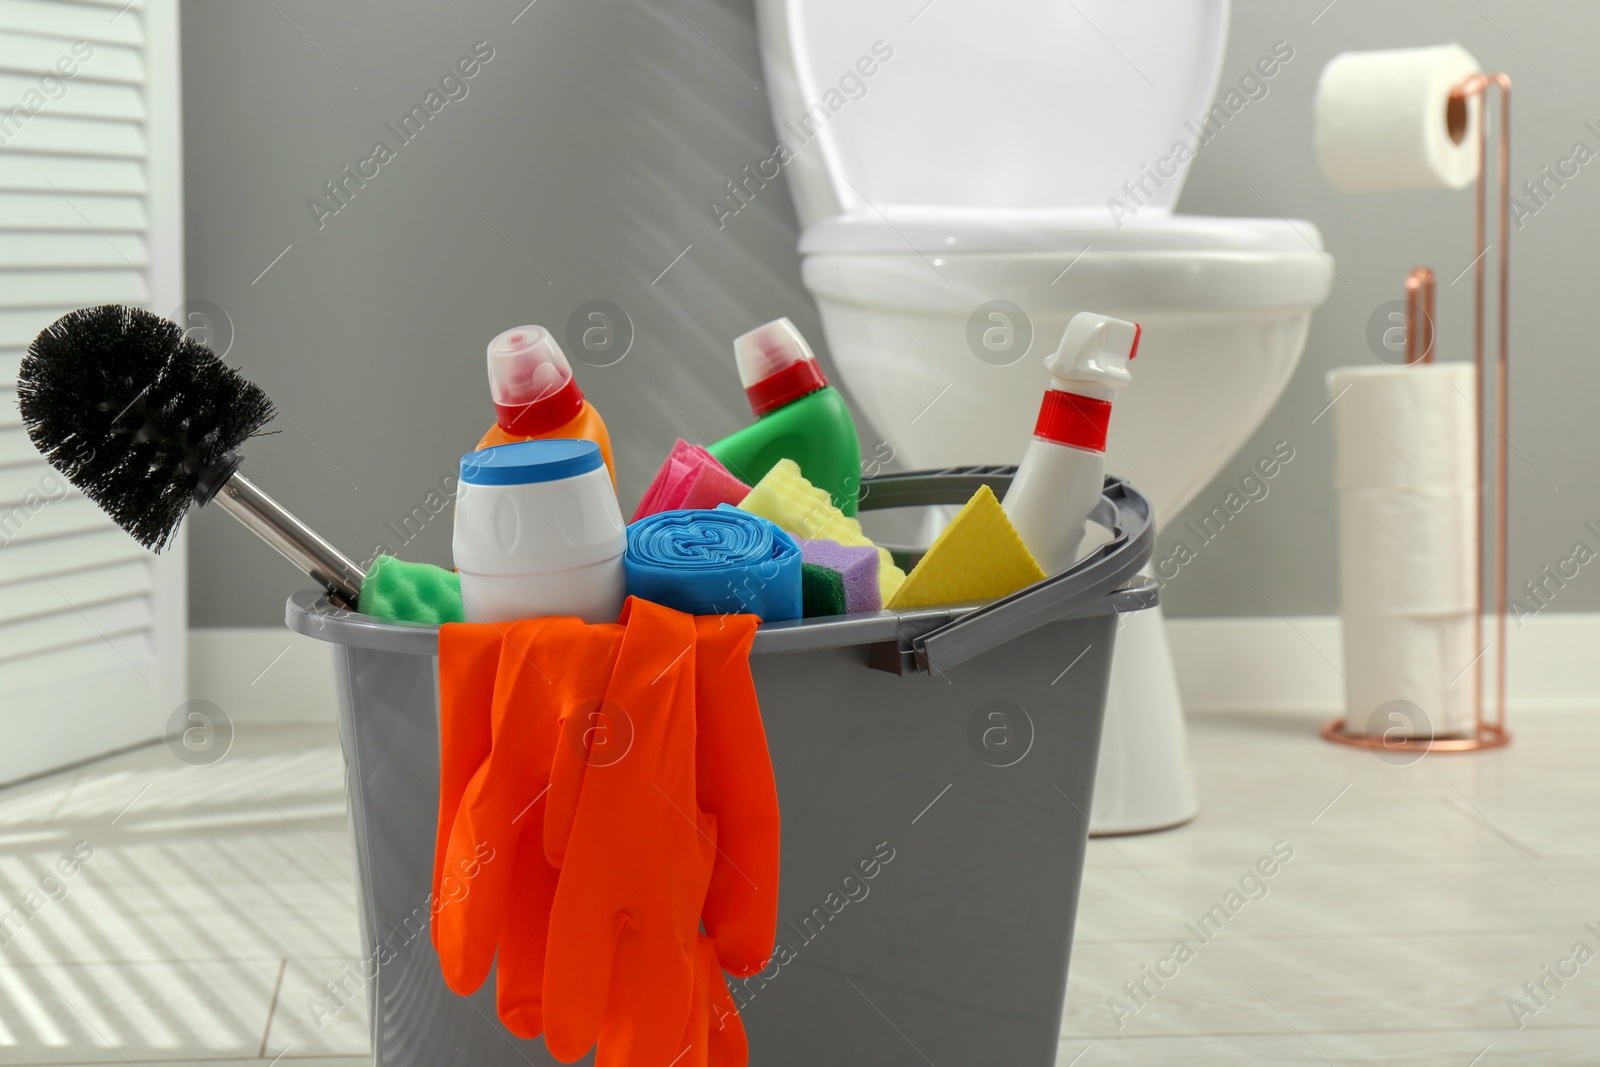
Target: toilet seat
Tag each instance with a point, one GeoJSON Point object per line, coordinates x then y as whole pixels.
{"type": "Point", "coordinates": [932, 230]}
{"type": "Point", "coordinates": [1161, 264]}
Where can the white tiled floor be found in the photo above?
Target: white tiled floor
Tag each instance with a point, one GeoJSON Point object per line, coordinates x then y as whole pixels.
{"type": "Point", "coordinates": [216, 901]}
{"type": "Point", "coordinates": [1419, 898]}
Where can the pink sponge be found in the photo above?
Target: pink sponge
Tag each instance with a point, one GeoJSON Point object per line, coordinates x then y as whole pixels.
{"type": "Point", "coordinates": [711, 484]}
{"type": "Point", "coordinates": [856, 565]}
{"type": "Point", "coordinates": [690, 478]}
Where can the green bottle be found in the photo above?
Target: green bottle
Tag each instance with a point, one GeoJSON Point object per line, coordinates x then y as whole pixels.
{"type": "Point", "coordinates": [799, 416]}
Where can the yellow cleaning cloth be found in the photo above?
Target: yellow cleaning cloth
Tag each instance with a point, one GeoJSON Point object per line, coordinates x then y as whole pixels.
{"type": "Point", "coordinates": [785, 498]}
{"type": "Point", "coordinates": [978, 557]}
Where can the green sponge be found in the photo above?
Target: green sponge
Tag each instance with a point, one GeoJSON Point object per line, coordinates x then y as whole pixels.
{"type": "Point", "coordinates": [821, 591]}
{"type": "Point", "coordinates": [411, 592]}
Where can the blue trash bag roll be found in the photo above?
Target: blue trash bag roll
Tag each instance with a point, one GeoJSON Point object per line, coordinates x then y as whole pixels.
{"type": "Point", "coordinates": [717, 562]}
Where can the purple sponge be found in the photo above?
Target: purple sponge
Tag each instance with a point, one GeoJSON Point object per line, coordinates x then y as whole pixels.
{"type": "Point", "coordinates": [856, 565]}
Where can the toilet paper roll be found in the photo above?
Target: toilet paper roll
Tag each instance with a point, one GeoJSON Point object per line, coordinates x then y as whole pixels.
{"type": "Point", "coordinates": [1408, 551]}
{"type": "Point", "coordinates": [1398, 427]}
{"type": "Point", "coordinates": [1383, 120]}
{"type": "Point", "coordinates": [1405, 464]}
{"type": "Point", "coordinates": [1415, 676]}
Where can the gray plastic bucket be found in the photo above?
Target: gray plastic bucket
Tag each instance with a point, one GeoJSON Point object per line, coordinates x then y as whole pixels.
{"type": "Point", "coordinates": [934, 770]}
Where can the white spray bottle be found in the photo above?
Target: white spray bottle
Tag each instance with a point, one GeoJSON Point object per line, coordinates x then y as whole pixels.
{"type": "Point", "coordinates": [1059, 480]}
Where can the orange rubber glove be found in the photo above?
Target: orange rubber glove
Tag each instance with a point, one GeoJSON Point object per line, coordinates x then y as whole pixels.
{"type": "Point", "coordinates": [726, 1044]}
{"type": "Point", "coordinates": [468, 659]}
{"type": "Point", "coordinates": [519, 973]}
{"type": "Point", "coordinates": [623, 965]}
{"type": "Point", "coordinates": [714, 1036]}
{"type": "Point", "coordinates": [579, 660]}
{"type": "Point", "coordinates": [498, 808]}
{"type": "Point", "coordinates": [735, 787]}
{"type": "Point", "coordinates": [636, 862]}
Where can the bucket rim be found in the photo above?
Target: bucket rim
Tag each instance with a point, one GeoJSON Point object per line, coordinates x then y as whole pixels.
{"type": "Point", "coordinates": [1105, 581]}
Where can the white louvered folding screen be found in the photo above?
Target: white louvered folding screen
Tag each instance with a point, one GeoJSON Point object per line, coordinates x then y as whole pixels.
{"type": "Point", "coordinates": [92, 626]}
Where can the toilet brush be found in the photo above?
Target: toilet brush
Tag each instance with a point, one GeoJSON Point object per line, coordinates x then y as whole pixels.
{"type": "Point", "coordinates": [146, 421]}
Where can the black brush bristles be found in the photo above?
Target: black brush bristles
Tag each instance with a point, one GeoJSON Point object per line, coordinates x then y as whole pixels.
{"type": "Point", "coordinates": [134, 413]}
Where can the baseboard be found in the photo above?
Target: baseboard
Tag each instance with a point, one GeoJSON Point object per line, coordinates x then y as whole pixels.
{"type": "Point", "coordinates": [1293, 665]}
{"type": "Point", "coordinates": [1259, 664]}
{"type": "Point", "coordinates": [262, 674]}
{"type": "Point", "coordinates": [1264, 665]}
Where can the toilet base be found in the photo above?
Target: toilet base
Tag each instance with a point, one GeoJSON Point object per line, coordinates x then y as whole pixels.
{"type": "Point", "coordinates": [1143, 781]}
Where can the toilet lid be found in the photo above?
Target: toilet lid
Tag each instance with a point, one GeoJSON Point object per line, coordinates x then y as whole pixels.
{"type": "Point", "coordinates": [1016, 104]}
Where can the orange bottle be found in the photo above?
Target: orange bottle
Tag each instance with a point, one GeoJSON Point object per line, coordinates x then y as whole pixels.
{"type": "Point", "coordinates": [536, 396]}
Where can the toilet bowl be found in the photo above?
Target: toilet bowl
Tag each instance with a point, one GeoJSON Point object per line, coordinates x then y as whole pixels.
{"type": "Point", "coordinates": [954, 175]}
{"type": "Point", "coordinates": [1225, 304]}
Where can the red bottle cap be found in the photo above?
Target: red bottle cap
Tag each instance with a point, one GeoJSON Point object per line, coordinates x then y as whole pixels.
{"type": "Point", "coordinates": [1071, 419]}
{"type": "Point", "coordinates": [1088, 368]}
{"type": "Point", "coordinates": [776, 366]}
{"type": "Point", "coordinates": [531, 382]}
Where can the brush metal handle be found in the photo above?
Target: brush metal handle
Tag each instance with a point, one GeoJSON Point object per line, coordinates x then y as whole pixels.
{"type": "Point", "coordinates": [294, 540]}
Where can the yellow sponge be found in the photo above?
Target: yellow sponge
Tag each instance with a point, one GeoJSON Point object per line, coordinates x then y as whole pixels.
{"type": "Point", "coordinates": [785, 498]}
{"type": "Point", "coordinates": [978, 557]}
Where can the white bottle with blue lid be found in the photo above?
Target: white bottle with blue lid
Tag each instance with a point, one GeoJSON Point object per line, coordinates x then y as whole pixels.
{"type": "Point", "coordinates": [538, 533]}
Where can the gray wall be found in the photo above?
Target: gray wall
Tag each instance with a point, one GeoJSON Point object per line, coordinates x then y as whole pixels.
{"type": "Point", "coordinates": [578, 166]}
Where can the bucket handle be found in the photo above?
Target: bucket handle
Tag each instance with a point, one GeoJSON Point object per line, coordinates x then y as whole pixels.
{"type": "Point", "coordinates": [1111, 566]}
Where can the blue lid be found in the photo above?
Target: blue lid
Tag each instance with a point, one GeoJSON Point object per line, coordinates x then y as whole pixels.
{"type": "Point", "coordinates": [525, 462]}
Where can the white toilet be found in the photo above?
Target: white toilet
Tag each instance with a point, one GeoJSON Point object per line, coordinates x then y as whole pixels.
{"type": "Point", "coordinates": [948, 155]}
